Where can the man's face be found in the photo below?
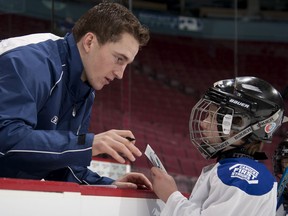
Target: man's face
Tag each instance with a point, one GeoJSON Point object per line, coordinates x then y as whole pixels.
{"type": "Point", "coordinates": [104, 63]}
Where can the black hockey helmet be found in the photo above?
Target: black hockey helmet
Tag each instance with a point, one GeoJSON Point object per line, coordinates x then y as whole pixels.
{"type": "Point", "coordinates": [244, 108]}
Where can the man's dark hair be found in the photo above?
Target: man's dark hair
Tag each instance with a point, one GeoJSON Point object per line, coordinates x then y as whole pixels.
{"type": "Point", "coordinates": [108, 21]}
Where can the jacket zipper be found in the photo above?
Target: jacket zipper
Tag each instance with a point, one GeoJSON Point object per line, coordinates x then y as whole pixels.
{"type": "Point", "coordinates": [74, 110]}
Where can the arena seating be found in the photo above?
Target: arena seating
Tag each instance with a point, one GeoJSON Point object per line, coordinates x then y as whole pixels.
{"type": "Point", "coordinates": [25, 25]}
{"type": "Point", "coordinates": [193, 59]}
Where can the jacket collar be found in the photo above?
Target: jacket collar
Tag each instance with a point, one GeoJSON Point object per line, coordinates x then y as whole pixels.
{"type": "Point", "coordinates": [74, 69]}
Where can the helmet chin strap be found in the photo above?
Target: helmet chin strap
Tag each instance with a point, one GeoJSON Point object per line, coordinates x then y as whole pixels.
{"type": "Point", "coordinates": [243, 133]}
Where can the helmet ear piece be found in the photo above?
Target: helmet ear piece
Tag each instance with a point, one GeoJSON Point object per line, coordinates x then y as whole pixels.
{"type": "Point", "coordinates": [231, 122]}
{"type": "Point", "coordinates": [240, 122]}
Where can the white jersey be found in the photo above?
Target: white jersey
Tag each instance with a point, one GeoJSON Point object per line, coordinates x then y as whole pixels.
{"type": "Point", "coordinates": [233, 186]}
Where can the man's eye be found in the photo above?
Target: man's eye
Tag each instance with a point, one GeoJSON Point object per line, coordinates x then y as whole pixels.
{"type": "Point", "coordinates": [120, 60]}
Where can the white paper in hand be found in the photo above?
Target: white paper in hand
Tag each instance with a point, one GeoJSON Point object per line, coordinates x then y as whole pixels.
{"type": "Point", "coordinates": [151, 155]}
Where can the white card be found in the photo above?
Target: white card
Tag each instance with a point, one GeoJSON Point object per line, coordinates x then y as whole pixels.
{"type": "Point", "coordinates": [151, 155]}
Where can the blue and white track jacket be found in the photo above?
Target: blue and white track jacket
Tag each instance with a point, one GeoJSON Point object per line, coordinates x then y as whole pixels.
{"type": "Point", "coordinates": [45, 111]}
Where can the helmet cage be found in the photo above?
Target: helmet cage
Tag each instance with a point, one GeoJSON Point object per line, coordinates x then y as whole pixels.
{"type": "Point", "coordinates": [217, 126]}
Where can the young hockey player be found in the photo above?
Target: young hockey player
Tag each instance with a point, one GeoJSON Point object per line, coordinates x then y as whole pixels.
{"type": "Point", "coordinates": [229, 123]}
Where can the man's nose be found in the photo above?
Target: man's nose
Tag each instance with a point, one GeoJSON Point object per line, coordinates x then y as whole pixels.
{"type": "Point", "coordinates": [120, 72]}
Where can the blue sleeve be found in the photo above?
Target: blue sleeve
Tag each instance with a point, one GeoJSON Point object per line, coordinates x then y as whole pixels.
{"type": "Point", "coordinates": [22, 147]}
{"type": "Point", "coordinates": [80, 175]}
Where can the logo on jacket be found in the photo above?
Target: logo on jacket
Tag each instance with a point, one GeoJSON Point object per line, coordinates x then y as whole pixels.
{"type": "Point", "coordinates": [54, 120]}
{"type": "Point", "coordinates": [244, 172]}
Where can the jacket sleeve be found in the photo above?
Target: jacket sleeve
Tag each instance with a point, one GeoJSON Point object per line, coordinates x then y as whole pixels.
{"type": "Point", "coordinates": [23, 148]}
{"type": "Point", "coordinates": [80, 175]}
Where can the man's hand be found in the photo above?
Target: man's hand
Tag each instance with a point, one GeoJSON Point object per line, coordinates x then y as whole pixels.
{"type": "Point", "coordinates": [133, 181]}
{"type": "Point", "coordinates": [163, 184]}
{"type": "Point", "coordinates": [117, 144]}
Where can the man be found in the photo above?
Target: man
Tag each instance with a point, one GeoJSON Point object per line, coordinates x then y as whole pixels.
{"type": "Point", "coordinates": [47, 88]}
{"type": "Point", "coordinates": [229, 123]}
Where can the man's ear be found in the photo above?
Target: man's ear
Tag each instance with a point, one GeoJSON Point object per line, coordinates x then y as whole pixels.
{"type": "Point", "coordinates": [88, 40]}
